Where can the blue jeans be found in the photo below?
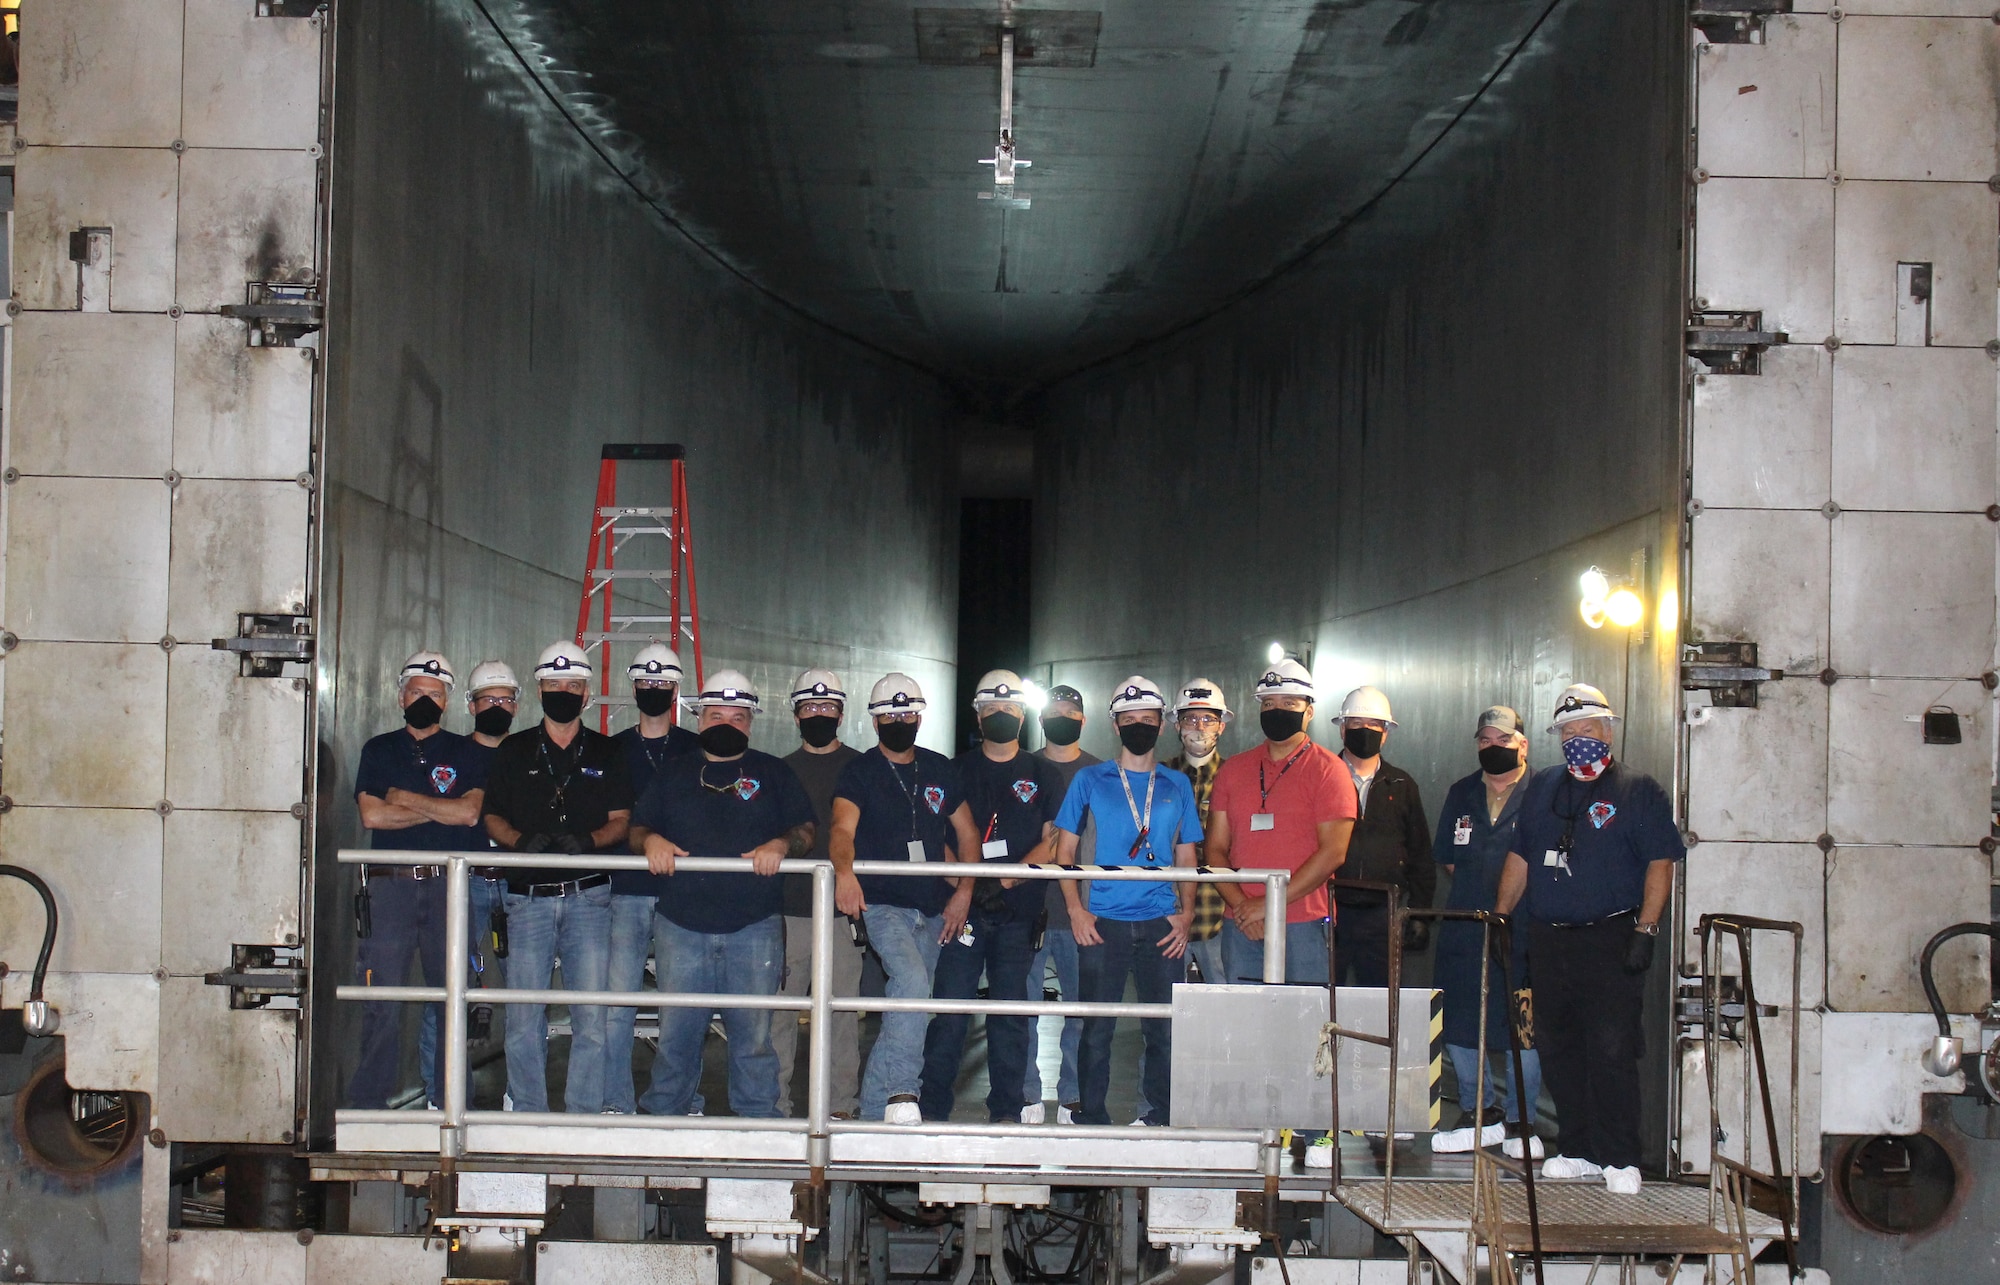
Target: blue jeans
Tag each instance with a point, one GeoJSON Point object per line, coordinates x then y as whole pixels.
{"type": "Point", "coordinates": [575, 928]}
{"type": "Point", "coordinates": [482, 893]}
{"type": "Point", "coordinates": [407, 917]}
{"type": "Point", "coordinates": [1128, 948]}
{"type": "Point", "coordinates": [1305, 954]}
{"type": "Point", "coordinates": [906, 941]}
{"type": "Point", "coordinates": [1059, 947]}
{"type": "Point", "coordinates": [1002, 946]}
{"type": "Point", "coordinates": [631, 942]}
{"type": "Point", "coordinates": [1465, 1065]}
{"type": "Point", "coordinates": [749, 961]}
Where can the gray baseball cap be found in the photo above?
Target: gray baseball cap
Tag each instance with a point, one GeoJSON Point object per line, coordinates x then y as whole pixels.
{"type": "Point", "coordinates": [1502, 717]}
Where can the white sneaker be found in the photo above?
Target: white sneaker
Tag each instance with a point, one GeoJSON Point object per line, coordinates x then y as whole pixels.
{"type": "Point", "coordinates": [1033, 1113]}
{"type": "Point", "coordinates": [1320, 1154]}
{"type": "Point", "coordinates": [1140, 1123]}
{"type": "Point", "coordinates": [1065, 1116]}
{"type": "Point", "coordinates": [1569, 1167]}
{"type": "Point", "coordinates": [1452, 1141]}
{"type": "Point", "coordinates": [902, 1113]}
{"type": "Point", "coordinates": [1622, 1182]}
{"type": "Point", "coordinates": [1512, 1148]}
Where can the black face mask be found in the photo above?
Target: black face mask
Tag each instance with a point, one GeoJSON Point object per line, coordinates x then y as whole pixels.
{"type": "Point", "coordinates": [896, 737]}
{"type": "Point", "coordinates": [562, 707]}
{"type": "Point", "coordinates": [1062, 731]}
{"type": "Point", "coordinates": [1139, 738]}
{"type": "Point", "coordinates": [422, 712]}
{"type": "Point", "coordinates": [818, 730]}
{"type": "Point", "coordinates": [1281, 724]}
{"type": "Point", "coordinates": [1000, 728]}
{"type": "Point", "coordinates": [1498, 760]}
{"type": "Point", "coordinates": [653, 701]}
{"type": "Point", "coordinates": [724, 741]}
{"type": "Point", "coordinates": [493, 721]}
{"type": "Point", "coordinates": [1362, 742]}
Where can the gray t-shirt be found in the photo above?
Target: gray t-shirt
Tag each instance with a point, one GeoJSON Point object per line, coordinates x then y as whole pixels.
{"type": "Point", "coordinates": [1086, 842]}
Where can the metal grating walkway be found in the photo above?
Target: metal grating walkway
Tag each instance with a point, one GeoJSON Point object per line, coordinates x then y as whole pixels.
{"type": "Point", "coordinates": [1576, 1217]}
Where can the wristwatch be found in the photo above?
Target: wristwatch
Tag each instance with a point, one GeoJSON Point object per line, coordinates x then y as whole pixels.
{"type": "Point", "coordinates": [1651, 930]}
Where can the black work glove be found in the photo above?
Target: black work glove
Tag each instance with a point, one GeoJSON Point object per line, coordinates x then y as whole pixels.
{"type": "Point", "coordinates": [1416, 935]}
{"type": "Point", "coordinates": [532, 843]}
{"type": "Point", "coordinates": [570, 845]}
{"type": "Point", "coordinates": [1639, 952]}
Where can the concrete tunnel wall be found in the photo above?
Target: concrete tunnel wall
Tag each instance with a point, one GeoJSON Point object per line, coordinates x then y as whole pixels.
{"type": "Point", "coordinates": [1397, 458]}
{"type": "Point", "coordinates": [502, 304]}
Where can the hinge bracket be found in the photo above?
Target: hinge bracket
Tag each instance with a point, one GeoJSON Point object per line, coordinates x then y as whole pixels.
{"type": "Point", "coordinates": [1730, 343]}
{"type": "Point", "coordinates": [1735, 22]}
{"type": "Point", "coordinates": [258, 974]}
{"type": "Point", "coordinates": [267, 641]}
{"type": "Point", "coordinates": [1727, 671]}
{"type": "Point", "coordinates": [279, 315]}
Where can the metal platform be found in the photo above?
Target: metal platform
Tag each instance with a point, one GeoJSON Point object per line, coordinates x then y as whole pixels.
{"type": "Point", "coordinates": [1578, 1217]}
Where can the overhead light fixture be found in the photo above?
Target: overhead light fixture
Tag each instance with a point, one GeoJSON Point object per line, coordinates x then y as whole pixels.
{"type": "Point", "coordinates": [1275, 653]}
{"type": "Point", "coordinates": [1003, 160]}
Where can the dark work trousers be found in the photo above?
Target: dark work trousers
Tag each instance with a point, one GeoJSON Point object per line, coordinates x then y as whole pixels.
{"type": "Point", "coordinates": [1002, 947]}
{"type": "Point", "coordinates": [1589, 1032]}
{"type": "Point", "coordinates": [1361, 943]}
{"type": "Point", "coordinates": [407, 918]}
{"type": "Point", "coordinates": [1128, 948]}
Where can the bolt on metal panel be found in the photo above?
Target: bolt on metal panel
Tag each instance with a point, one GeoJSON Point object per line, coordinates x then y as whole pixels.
{"type": "Point", "coordinates": [1901, 80]}
{"type": "Point", "coordinates": [87, 559]}
{"type": "Point", "coordinates": [238, 411]}
{"type": "Point", "coordinates": [1695, 1146]}
{"type": "Point", "coordinates": [1780, 745]}
{"type": "Point", "coordinates": [108, 1026]}
{"type": "Point", "coordinates": [1912, 594]}
{"type": "Point", "coordinates": [237, 547]}
{"type": "Point", "coordinates": [98, 78]}
{"type": "Point", "coordinates": [212, 1256]}
{"type": "Point", "coordinates": [1882, 905]}
{"type": "Point", "coordinates": [1784, 881]}
{"type": "Point", "coordinates": [233, 742]}
{"type": "Point", "coordinates": [1768, 109]}
{"type": "Point", "coordinates": [1761, 441]}
{"type": "Point", "coordinates": [1879, 1080]}
{"type": "Point", "coordinates": [1760, 575]}
{"type": "Point", "coordinates": [225, 1074]}
{"type": "Point", "coordinates": [131, 191]}
{"type": "Point", "coordinates": [103, 865]}
{"type": "Point", "coordinates": [1947, 225]}
{"type": "Point", "coordinates": [1913, 428]}
{"type": "Point", "coordinates": [1768, 244]}
{"type": "Point", "coordinates": [1884, 785]}
{"type": "Point", "coordinates": [228, 877]}
{"type": "Point", "coordinates": [249, 81]}
{"type": "Point", "coordinates": [93, 394]}
{"type": "Point", "coordinates": [245, 216]}
{"type": "Point", "coordinates": [73, 762]}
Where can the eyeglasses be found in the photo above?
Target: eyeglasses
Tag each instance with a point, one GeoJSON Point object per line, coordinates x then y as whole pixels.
{"type": "Point", "coordinates": [495, 702]}
{"type": "Point", "coordinates": [1200, 722]}
{"type": "Point", "coordinates": [905, 716]}
{"type": "Point", "coordinates": [818, 709]}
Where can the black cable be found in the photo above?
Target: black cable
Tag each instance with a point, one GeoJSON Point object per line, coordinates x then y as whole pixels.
{"type": "Point", "coordinates": [34, 881]}
{"type": "Point", "coordinates": [1923, 966]}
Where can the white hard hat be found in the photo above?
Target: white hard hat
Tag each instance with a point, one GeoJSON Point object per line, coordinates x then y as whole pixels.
{"type": "Point", "coordinates": [817, 685]}
{"type": "Point", "coordinates": [727, 687]}
{"type": "Point", "coordinates": [895, 694]}
{"type": "Point", "coordinates": [1579, 701]}
{"type": "Point", "coordinates": [655, 663]}
{"type": "Point", "coordinates": [999, 686]}
{"type": "Point", "coordinates": [425, 664]}
{"type": "Point", "coordinates": [1286, 678]}
{"type": "Point", "coordinates": [1367, 702]}
{"type": "Point", "coordinates": [1137, 693]}
{"type": "Point", "coordinates": [563, 660]}
{"type": "Point", "coordinates": [491, 673]}
{"type": "Point", "coordinates": [1202, 693]}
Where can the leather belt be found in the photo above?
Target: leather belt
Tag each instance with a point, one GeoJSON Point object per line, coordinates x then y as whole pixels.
{"type": "Point", "coordinates": [405, 872]}
{"type": "Point", "coordinates": [1592, 923]}
{"type": "Point", "coordinates": [557, 889]}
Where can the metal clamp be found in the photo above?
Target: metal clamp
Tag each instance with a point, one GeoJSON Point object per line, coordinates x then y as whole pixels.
{"type": "Point", "coordinates": [266, 641]}
{"type": "Point", "coordinates": [1731, 343]}
{"type": "Point", "coordinates": [1735, 22]}
{"type": "Point", "coordinates": [1727, 671]}
{"type": "Point", "coordinates": [279, 314]}
{"type": "Point", "coordinates": [258, 974]}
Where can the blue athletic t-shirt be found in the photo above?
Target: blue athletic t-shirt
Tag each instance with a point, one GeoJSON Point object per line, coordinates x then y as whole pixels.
{"type": "Point", "coordinates": [1010, 803]}
{"type": "Point", "coordinates": [720, 810]}
{"type": "Point", "coordinates": [643, 757]}
{"type": "Point", "coordinates": [443, 764]}
{"type": "Point", "coordinates": [1617, 826]}
{"type": "Point", "coordinates": [900, 802]}
{"type": "Point", "coordinates": [1174, 820]}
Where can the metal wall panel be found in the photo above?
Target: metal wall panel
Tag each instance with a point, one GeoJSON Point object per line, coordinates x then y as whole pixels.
{"type": "Point", "coordinates": [95, 394]}
{"type": "Point", "coordinates": [1781, 745]}
{"type": "Point", "coordinates": [239, 411]}
{"type": "Point", "coordinates": [130, 191]}
{"type": "Point", "coordinates": [572, 1262]}
{"type": "Point", "coordinates": [1696, 1153]}
{"type": "Point", "coordinates": [244, 216]}
{"type": "Point", "coordinates": [1882, 905]}
{"type": "Point", "coordinates": [73, 762]}
{"type": "Point", "coordinates": [101, 80]}
{"type": "Point", "coordinates": [1761, 575]}
{"type": "Point", "coordinates": [1901, 79]}
{"type": "Point", "coordinates": [87, 559]}
{"type": "Point", "coordinates": [1768, 244]}
{"type": "Point", "coordinates": [1947, 225]}
{"type": "Point", "coordinates": [1760, 441]}
{"type": "Point", "coordinates": [234, 742]}
{"type": "Point", "coordinates": [1784, 881]}
{"type": "Point", "coordinates": [107, 895]}
{"type": "Point", "coordinates": [1913, 428]}
{"type": "Point", "coordinates": [1768, 109]}
{"type": "Point", "coordinates": [225, 1075]}
{"type": "Point", "coordinates": [1884, 785]}
{"type": "Point", "coordinates": [230, 877]}
{"type": "Point", "coordinates": [208, 1256]}
{"type": "Point", "coordinates": [249, 81]}
{"type": "Point", "coordinates": [1881, 1082]}
{"type": "Point", "coordinates": [1910, 8]}
{"type": "Point", "coordinates": [1913, 594]}
{"type": "Point", "coordinates": [238, 546]}
{"type": "Point", "coordinates": [110, 1024]}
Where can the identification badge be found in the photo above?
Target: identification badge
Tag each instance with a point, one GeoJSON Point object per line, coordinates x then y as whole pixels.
{"type": "Point", "coordinates": [997, 848]}
{"type": "Point", "coordinates": [1263, 821]}
{"type": "Point", "coordinates": [965, 934]}
{"type": "Point", "coordinates": [1461, 834]}
{"type": "Point", "coordinates": [917, 850]}
{"type": "Point", "coordinates": [1552, 858]}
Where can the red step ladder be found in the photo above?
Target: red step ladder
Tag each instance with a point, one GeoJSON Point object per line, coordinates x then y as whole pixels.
{"type": "Point", "coordinates": [612, 526]}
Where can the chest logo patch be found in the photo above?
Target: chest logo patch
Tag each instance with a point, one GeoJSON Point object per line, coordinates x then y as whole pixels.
{"type": "Point", "coordinates": [747, 787]}
{"type": "Point", "coordinates": [592, 771]}
{"type": "Point", "coordinates": [1026, 791]}
{"type": "Point", "coordinates": [934, 795]}
{"type": "Point", "coordinates": [443, 777]}
{"type": "Point", "coordinates": [1601, 814]}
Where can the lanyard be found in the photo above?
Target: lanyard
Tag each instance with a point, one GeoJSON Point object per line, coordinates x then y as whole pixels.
{"type": "Point", "coordinates": [913, 789]}
{"type": "Point", "coordinates": [1143, 824]}
{"type": "Point", "coordinates": [1263, 790]}
{"type": "Point", "coordinates": [417, 753]}
{"type": "Point", "coordinates": [561, 787]}
{"type": "Point", "coordinates": [646, 748]}
{"type": "Point", "coordinates": [1569, 818]}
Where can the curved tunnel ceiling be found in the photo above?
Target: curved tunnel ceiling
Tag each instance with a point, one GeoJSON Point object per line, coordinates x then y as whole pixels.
{"type": "Point", "coordinates": [1183, 150]}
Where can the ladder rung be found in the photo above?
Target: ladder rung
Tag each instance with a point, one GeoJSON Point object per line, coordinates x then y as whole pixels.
{"type": "Point", "coordinates": [640, 530]}
{"type": "Point", "coordinates": [594, 637]}
{"type": "Point", "coordinates": [642, 620]}
{"type": "Point", "coordinates": [634, 511]}
{"type": "Point", "coordinates": [621, 573]}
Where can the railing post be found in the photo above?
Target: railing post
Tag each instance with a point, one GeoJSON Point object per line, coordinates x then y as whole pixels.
{"type": "Point", "coordinates": [451, 1036]}
{"type": "Point", "coordinates": [1274, 927]}
{"type": "Point", "coordinates": [819, 1046]}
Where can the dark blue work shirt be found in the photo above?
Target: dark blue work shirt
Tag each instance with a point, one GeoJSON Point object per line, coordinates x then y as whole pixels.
{"type": "Point", "coordinates": [1010, 803]}
{"type": "Point", "coordinates": [721, 810]}
{"type": "Point", "coordinates": [644, 756]}
{"type": "Point", "coordinates": [1476, 848]}
{"type": "Point", "coordinates": [443, 764]}
{"type": "Point", "coordinates": [901, 802]}
{"type": "Point", "coordinates": [1617, 826]}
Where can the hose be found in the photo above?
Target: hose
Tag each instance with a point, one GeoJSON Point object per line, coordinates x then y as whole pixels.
{"type": "Point", "coordinates": [1923, 967]}
{"type": "Point", "coordinates": [35, 881]}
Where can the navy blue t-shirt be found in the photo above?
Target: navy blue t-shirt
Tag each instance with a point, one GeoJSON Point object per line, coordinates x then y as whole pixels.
{"type": "Point", "coordinates": [643, 757]}
{"type": "Point", "coordinates": [1617, 826]}
{"type": "Point", "coordinates": [721, 810]}
{"type": "Point", "coordinates": [1010, 803]}
{"type": "Point", "coordinates": [900, 802]}
{"type": "Point", "coordinates": [443, 764]}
